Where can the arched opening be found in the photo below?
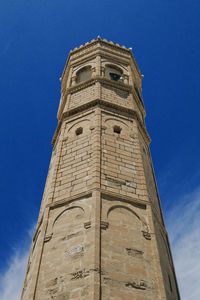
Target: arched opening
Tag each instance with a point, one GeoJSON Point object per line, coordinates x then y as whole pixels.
{"type": "Point", "coordinates": [84, 74]}
{"type": "Point", "coordinates": [113, 73]}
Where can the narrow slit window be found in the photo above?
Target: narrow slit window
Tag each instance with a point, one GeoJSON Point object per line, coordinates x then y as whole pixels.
{"type": "Point", "coordinates": [117, 129]}
{"type": "Point", "coordinates": [79, 131]}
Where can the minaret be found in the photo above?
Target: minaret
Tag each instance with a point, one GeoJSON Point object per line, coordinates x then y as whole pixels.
{"type": "Point", "coordinates": [100, 233]}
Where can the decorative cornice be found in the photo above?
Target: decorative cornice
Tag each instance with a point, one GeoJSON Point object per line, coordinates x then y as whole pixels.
{"type": "Point", "coordinates": [102, 103]}
{"type": "Point", "coordinates": [95, 79]}
{"type": "Point", "coordinates": [137, 202]}
{"type": "Point", "coordinates": [69, 199]}
{"type": "Point", "coordinates": [102, 41]}
{"type": "Point", "coordinates": [109, 82]}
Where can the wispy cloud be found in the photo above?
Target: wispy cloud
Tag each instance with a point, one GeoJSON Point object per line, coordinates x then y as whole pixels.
{"type": "Point", "coordinates": [11, 280]}
{"type": "Point", "coordinates": [183, 224]}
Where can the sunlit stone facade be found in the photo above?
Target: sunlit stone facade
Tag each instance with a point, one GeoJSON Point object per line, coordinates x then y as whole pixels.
{"type": "Point", "coordinates": [100, 232]}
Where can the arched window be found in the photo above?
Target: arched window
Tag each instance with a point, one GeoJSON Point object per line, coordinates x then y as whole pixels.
{"type": "Point", "coordinates": [113, 73]}
{"type": "Point", "coordinates": [83, 74]}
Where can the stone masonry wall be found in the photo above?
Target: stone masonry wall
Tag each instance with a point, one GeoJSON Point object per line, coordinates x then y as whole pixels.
{"type": "Point", "coordinates": [83, 96]}
{"type": "Point", "coordinates": [127, 268]}
{"type": "Point", "coordinates": [67, 262]}
{"type": "Point", "coordinates": [122, 170]}
{"type": "Point", "coordinates": [160, 232]}
{"type": "Point", "coordinates": [76, 160]}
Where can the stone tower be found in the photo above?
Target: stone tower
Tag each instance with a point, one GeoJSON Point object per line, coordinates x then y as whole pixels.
{"type": "Point", "coordinates": [100, 233]}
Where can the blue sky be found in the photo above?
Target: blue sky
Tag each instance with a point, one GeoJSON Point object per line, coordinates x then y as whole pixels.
{"type": "Point", "coordinates": [35, 39]}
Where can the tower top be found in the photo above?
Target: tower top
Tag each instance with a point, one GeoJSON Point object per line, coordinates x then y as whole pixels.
{"type": "Point", "coordinates": [99, 39]}
{"type": "Point", "coordinates": [96, 69]}
{"type": "Point", "coordinates": [103, 43]}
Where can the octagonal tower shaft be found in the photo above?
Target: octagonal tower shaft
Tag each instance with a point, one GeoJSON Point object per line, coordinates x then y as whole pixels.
{"type": "Point", "coordinates": [100, 233]}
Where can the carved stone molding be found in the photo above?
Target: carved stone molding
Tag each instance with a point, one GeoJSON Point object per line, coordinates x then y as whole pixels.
{"type": "Point", "coordinates": [134, 252]}
{"type": "Point", "coordinates": [104, 225]}
{"type": "Point", "coordinates": [87, 225]}
{"type": "Point", "coordinates": [104, 104]}
{"type": "Point", "coordinates": [140, 286]}
{"type": "Point", "coordinates": [73, 80]}
{"type": "Point", "coordinates": [93, 72]}
{"type": "Point", "coordinates": [132, 136]}
{"type": "Point", "coordinates": [65, 139]}
{"type": "Point", "coordinates": [80, 274]}
{"type": "Point", "coordinates": [48, 237]}
{"type": "Point", "coordinates": [103, 80]}
{"type": "Point", "coordinates": [146, 235]}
